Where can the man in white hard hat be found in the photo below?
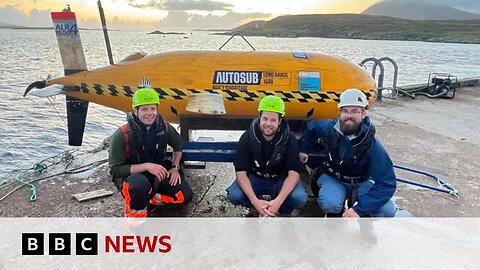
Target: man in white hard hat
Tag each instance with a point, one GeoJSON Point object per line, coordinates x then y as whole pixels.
{"type": "Point", "coordinates": [357, 167]}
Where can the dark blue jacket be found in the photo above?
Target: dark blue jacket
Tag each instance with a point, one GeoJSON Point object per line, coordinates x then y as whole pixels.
{"type": "Point", "coordinates": [375, 162]}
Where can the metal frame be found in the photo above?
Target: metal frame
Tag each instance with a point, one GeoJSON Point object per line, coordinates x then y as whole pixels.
{"type": "Point", "coordinates": [219, 122]}
{"type": "Point", "coordinates": [225, 152]}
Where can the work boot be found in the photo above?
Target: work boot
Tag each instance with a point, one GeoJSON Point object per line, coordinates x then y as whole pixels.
{"type": "Point", "coordinates": [334, 221]}
{"type": "Point", "coordinates": [154, 204]}
{"type": "Point", "coordinates": [252, 212]}
{"type": "Point", "coordinates": [367, 232]}
{"type": "Point", "coordinates": [156, 200]}
{"type": "Point", "coordinates": [334, 215]}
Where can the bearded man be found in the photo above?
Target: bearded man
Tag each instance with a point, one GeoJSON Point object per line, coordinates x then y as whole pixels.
{"type": "Point", "coordinates": [357, 167]}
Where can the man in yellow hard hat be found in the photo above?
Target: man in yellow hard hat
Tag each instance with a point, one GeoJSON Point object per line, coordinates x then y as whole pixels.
{"type": "Point", "coordinates": [357, 167]}
{"type": "Point", "coordinates": [137, 160]}
{"type": "Point", "coordinates": [267, 164]}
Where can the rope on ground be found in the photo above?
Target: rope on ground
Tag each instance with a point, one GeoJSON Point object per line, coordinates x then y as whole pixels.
{"type": "Point", "coordinates": [425, 190]}
{"type": "Point", "coordinates": [37, 167]}
{"type": "Point", "coordinates": [44, 164]}
{"type": "Point", "coordinates": [394, 92]}
{"type": "Point", "coordinates": [457, 198]}
{"type": "Point", "coordinates": [27, 183]}
{"type": "Point", "coordinates": [41, 166]}
{"type": "Point", "coordinates": [83, 168]}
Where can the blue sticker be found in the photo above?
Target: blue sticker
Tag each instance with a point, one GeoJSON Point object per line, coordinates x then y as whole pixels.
{"type": "Point", "coordinates": [309, 81]}
{"type": "Point", "coordinates": [66, 28]}
{"type": "Point", "coordinates": [300, 55]}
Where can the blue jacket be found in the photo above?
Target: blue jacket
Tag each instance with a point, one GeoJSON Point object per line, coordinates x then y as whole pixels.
{"type": "Point", "coordinates": [375, 162]}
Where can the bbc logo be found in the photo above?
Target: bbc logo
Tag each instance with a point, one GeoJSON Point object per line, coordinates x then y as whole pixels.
{"type": "Point", "coordinates": [59, 244]}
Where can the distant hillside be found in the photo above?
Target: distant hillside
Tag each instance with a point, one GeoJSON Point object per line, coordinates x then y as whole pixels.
{"type": "Point", "coordinates": [6, 25]}
{"type": "Point", "coordinates": [416, 10]}
{"type": "Point", "coordinates": [19, 27]}
{"type": "Point", "coordinates": [356, 26]}
{"type": "Point", "coordinates": [12, 26]}
{"type": "Point", "coordinates": [157, 32]}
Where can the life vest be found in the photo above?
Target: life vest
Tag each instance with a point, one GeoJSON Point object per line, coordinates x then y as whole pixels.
{"type": "Point", "coordinates": [349, 165]}
{"type": "Point", "coordinates": [136, 151]}
{"type": "Point", "coordinates": [273, 166]}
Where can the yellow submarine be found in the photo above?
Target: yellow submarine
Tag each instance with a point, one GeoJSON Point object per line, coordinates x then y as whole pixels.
{"type": "Point", "coordinates": [309, 83]}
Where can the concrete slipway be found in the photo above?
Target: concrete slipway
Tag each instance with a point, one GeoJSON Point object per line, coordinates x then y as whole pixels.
{"type": "Point", "coordinates": [441, 136]}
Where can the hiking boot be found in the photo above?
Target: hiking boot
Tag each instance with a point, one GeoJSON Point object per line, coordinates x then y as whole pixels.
{"type": "Point", "coordinates": [367, 232]}
{"type": "Point", "coordinates": [334, 215]}
{"type": "Point", "coordinates": [252, 212]}
{"type": "Point", "coordinates": [156, 200]}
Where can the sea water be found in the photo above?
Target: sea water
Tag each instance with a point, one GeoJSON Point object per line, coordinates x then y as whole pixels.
{"type": "Point", "coordinates": [32, 129]}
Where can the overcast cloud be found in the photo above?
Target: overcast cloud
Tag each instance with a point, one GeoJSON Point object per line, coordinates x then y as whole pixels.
{"type": "Point", "coordinates": [174, 20]}
{"type": "Point", "coordinates": [11, 15]}
{"type": "Point", "coordinates": [178, 18]}
{"type": "Point", "coordinates": [203, 5]}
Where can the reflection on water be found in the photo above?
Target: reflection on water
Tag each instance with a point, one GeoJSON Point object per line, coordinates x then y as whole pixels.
{"type": "Point", "coordinates": [31, 130]}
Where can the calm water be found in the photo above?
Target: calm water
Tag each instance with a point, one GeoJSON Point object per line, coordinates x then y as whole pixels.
{"type": "Point", "coordinates": [31, 130]}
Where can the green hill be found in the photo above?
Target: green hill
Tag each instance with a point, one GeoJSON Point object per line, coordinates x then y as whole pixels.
{"type": "Point", "coordinates": [356, 26]}
{"type": "Point", "coordinates": [419, 10]}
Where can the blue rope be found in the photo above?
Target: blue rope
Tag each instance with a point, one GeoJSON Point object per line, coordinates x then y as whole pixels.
{"type": "Point", "coordinates": [38, 167]}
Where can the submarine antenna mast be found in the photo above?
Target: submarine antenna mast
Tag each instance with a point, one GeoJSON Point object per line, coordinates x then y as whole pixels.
{"type": "Point", "coordinates": [105, 32]}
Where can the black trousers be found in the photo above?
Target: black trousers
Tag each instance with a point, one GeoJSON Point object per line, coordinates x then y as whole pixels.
{"type": "Point", "coordinates": [138, 189]}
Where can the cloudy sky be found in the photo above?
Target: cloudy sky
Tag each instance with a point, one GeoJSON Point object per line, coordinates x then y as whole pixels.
{"type": "Point", "coordinates": [184, 14]}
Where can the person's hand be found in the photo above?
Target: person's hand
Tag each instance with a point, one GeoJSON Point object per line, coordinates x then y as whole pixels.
{"type": "Point", "coordinates": [350, 213]}
{"type": "Point", "coordinates": [262, 208]}
{"type": "Point", "coordinates": [303, 157]}
{"type": "Point", "coordinates": [157, 170]}
{"type": "Point", "coordinates": [174, 177]}
{"type": "Point", "coordinates": [274, 206]}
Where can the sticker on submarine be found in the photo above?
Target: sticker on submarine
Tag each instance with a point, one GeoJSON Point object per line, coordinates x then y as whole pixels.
{"type": "Point", "coordinates": [309, 81]}
{"type": "Point", "coordinates": [239, 80]}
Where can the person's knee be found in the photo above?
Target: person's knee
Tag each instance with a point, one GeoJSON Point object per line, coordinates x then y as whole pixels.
{"type": "Point", "coordinates": [298, 198]}
{"type": "Point", "coordinates": [135, 190]}
{"type": "Point", "coordinates": [390, 213]}
{"type": "Point", "coordinates": [137, 184]}
{"type": "Point", "coordinates": [325, 179]}
{"type": "Point", "coordinates": [235, 194]}
{"type": "Point", "coordinates": [330, 204]}
{"type": "Point", "coordinates": [319, 182]}
{"type": "Point", "coordinates": [389, 209]}
{"type": "Point", "coordinates": [187, 195]}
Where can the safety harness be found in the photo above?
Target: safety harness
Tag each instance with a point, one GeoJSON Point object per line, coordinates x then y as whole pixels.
{"type": "Point", "coordinates": [268, 167]}
{"type": "Point", "coordinates": [136, 151]}
{"type": "Point", "coordinates": [344, 166]}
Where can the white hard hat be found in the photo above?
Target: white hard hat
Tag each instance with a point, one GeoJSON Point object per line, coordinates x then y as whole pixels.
{"type": "Point", "coordinates": [353, 97]}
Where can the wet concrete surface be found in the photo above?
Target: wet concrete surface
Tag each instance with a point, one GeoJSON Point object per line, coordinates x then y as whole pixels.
{"type": "Point", "coordinates": [436, 135]}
